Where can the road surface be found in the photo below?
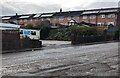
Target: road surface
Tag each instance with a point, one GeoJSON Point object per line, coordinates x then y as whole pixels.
{"type": "Point", "coordinates": [60, 58]}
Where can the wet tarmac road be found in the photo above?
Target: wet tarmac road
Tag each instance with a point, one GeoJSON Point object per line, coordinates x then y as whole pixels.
{"type": "Point", "coordinates": [60, 58]}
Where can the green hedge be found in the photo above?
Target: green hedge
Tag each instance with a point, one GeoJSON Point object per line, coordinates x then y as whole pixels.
{"type": "Point", "coordinates": [92, 33]}
{"type": "Point", "coordinates": [60, 34]}
{"type": "Point", "coordinates": [65, 34]}
{"type": "Point", "coordinates": [86, 31]}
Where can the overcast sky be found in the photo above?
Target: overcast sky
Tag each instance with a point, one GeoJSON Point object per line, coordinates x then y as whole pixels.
{"type": "Point", "coordinates": [10, 7]}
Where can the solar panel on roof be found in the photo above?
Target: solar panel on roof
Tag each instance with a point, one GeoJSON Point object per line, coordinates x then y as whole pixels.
{"type": "Point", "coordinates": [90, 12]}
{"type": "Point", "coordinates": [24, 17]}
{"type": "Point", "coordinates": [37, 15]}
{"type": "Point", "coordinates": [47, 15]}
{"type": "Point", "coordinates": [6, 17]}
{"type": "Point", "coordinates": [108, 11]}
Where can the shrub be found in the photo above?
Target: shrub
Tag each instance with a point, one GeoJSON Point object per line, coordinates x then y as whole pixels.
{"type": "Point", "coordinates": [29, 26]}
{"type": "Point", "coordinates": [42, 24]}
{"type": "Point", "coordinates": [60, 34]}
{"type": "Point", "coordinates": [117, 34]}
{"type": "Point", "coordinates": [85, 31]}
{"type": "Point", "coordinates": [44, 32]}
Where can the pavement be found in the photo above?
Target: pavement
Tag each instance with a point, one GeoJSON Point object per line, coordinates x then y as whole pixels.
{"type": "Point", "coordinates": [59, 58]}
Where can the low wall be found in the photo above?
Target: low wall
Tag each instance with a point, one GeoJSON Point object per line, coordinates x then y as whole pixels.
{"type": "Point", "coordinates": [11, 41]}
{"type": "Point", "coordinates": [20, 44]}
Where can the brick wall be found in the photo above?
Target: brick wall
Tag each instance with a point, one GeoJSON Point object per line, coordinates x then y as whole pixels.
{"type": "Point", "coordinates": [57, 20]}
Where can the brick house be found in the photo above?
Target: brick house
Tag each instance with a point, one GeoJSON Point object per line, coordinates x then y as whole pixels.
{"type": "Point", "coordinates": [25, 19]}
{"type": "Point", "coordinates": [100, 17]}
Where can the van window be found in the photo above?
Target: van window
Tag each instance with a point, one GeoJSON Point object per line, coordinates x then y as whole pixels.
{"type": "Point", "coordinates": [21, 31]}
{"type": "Point", "coordinates": [33, 33]}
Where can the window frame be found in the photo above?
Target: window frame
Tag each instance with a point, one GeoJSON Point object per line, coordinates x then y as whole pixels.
{"type": "Point", "coordinates": [102, 16]}
{"type": "Point", "coordinates": [33, 33]}
{"type": "Point", "coordinates": [111, 15]}
{"type": "Point", "coordinates": [85, 17]}
{"type": "Point", "coordinates": [92, 16]}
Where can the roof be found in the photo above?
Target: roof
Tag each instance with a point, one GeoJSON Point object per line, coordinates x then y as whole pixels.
{"type": "Point", "coordinates": [96, 11]}
{"type": "Point", "coordinates": [7, 25]}
{"type": "Point", "coordinates": [90, 12]}
{"type": "Point", "coordinates": [68, 13]}
{"type": "Point", "coordinates": [106, 11]}
{"type": "Point", "coordinates": [26, 16]}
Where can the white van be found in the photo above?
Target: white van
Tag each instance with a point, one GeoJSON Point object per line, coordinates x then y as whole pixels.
{"type": "Point", "coordinates": [32, 34]}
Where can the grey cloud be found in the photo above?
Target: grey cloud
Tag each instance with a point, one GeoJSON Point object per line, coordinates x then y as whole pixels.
{"type": "Point", "coordinates": [24, 8]}
{"type": "Point", "coordinates": [97, 5]}
{"type": "Point", "coordinates": [4, 10]}
{"type": "Point", "coordinates": [103, 5]}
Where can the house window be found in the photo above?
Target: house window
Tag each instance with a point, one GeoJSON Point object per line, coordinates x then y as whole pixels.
{"type": "Point", "coordinates": [42, 19]}
{"type": "Point", "coordinates": [33, 33]}
{"type": "Point", "coordinates": [31, 20]}
{"type": "Point", "coordinates": [84, 17]}
{"type": "Point", "coordinates": [76, 17]}
{"type": "Point", "coordinates": [92, 17]}
{"type": "Point", "coordinates": [69, 18]}
{"type": "Point", "coordinates": [55, 19]}
{"type": "Point", "coordinates": [61, 18]}
{"type": "Point", "coordinates": [102, 16]}
{"type": "Point", "coordinates": [35, 19]}
{"type": "Point", "coordinates": [111, 15]}
{"type": "Point", "coordinates": [21, 20]}
{"type": "Point", "coordinates": [101, 24]}
{"type": "Point", "coordinates": [25, 20]}
{"type": "Point", "coordinates": [48, 18]}
{"type": "Point", "coordinates": [112, 23]}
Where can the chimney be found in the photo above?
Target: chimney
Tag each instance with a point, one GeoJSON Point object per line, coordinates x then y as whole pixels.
{"type": "Point", "coordinates": [16, 18]}
{"type": "Point", "coordinates": [60, 10]}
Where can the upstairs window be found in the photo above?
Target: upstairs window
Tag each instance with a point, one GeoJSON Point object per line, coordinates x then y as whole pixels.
{"type": "Point", "coordinates": [21, 20]}
{"type": "Point", "coordinates": [68, 18]}
{"type": "Point", "coordinates": [31, 20]}
{"type": "Point", "coordinates": [92, 16]}
{"type": "Point", "coordinates": [48, 18]}
{"type": "Point", "coordinates": [61, 18]}
{"type": "Point", "coordinates": [54, 18]}
{"type": "Point", "coordinates": [84, 17]}
{"type": "Point", "coordinates": [111, 15]}
{"type": "Point", "coordinates": [35, 19]}
{"type": "Point", "coordinates": [25, 20]}
{"type": "Point", "coordinates": [42, 19]}
{"type": "Point", "coordinates": [102, 16]}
